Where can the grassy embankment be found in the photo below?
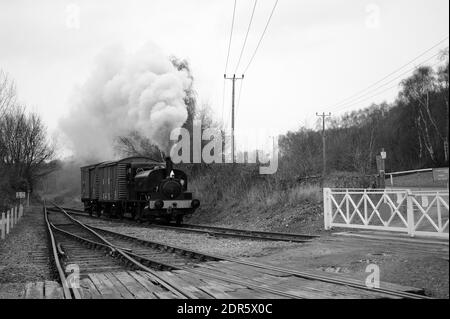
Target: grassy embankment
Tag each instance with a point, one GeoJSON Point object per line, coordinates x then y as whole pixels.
{"type": "Point", "coordinates": [240, 197]}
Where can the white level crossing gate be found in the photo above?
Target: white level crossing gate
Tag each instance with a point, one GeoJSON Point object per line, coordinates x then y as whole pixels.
{"type": "Point", "coordinates": [413, 212]}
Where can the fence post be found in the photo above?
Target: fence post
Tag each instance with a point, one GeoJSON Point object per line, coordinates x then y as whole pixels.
{"type": "Point", "coordinates": [21, 211]}
{"type": "Point", "coordinates": [439, 214]}
{"type": "Point", "coordinates": [15, 215]}
{"type": "Point", "coordinates": [327, 208]}
{"type": "Point", "coordinates": [365, 208]}
{"type": "Point", "coordinates": [12, 218]}
{"type": "Point", "coordinates": [347, 207]}
{"type": "Point", "coordinates": [410, 212]}
{"type": "Point", "coordinates": [3, 226]}
{"type": "Point", "coordinates": [7, 222]}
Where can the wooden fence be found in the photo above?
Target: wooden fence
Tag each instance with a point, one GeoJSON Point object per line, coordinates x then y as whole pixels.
{"type": "Point", "coordinates": [413, 212]}
{"type": "Point", "coordinates": [9, 219]}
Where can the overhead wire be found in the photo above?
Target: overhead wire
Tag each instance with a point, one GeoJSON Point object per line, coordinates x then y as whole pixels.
{"type": "Point", "coordinates": [228, 56]}
{"type": "Point", "coordinates": [261, 38]}
{"type": "Point", "coordinates": [363, 91]}
{"type": "Point", "coordinates": [346, 106]}
{"type": "Point", "coordinates": [246, 36]}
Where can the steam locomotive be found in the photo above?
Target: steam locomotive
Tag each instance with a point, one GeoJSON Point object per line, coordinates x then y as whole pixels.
{"type": "Point", "coordinates": [138, 186]}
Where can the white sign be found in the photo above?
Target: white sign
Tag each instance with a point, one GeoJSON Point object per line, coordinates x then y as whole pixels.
{"type": "Point", "coordinates": [20, 194]}
{"type": "Point", "coordinates": [383, 155]}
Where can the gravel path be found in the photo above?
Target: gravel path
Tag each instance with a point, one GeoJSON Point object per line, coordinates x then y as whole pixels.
{"type": "Point", "coordinates": [24, 255]}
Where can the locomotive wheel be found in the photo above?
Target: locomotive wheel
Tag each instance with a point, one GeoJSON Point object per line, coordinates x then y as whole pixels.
{"type": "Point", "coordinates": [119, 212]}
{"type": "Point", "coordinates": [151, 220]}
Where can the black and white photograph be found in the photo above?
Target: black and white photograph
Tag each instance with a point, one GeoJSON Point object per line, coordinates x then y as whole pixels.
{"type": "Point", "coordinates": [224, 158]}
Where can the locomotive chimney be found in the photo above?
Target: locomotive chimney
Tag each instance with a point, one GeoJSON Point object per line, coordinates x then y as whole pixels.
{"type": "Point", "coordinates": [169, 165]}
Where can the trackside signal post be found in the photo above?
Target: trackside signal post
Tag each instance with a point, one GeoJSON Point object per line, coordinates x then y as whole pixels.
{"type": "Point", "coordinates": [381, 168]}
{"type": "Point", "coordinates": [324, 156]}
{"type": "Point", "coordinates": [233, 79]}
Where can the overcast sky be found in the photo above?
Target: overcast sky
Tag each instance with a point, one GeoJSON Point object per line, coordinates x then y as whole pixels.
{"type": "Point", "coordinates": [315, 52]}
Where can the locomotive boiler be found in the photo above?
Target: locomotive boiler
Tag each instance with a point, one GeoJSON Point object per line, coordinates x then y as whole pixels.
{"type": "Point", "coordinates": [140, 187]}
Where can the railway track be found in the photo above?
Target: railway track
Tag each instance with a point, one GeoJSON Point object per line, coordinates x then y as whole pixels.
{"type": "Point", "coordinates": [241, 233]}
{"type": "Point", "coordinates": [166, 257]}
{"type": "Point", "coordinates": [218, 231]}
{"type": "Point", "coordinates": [256, 235]}
{"type": "Point", "coordinates": [135, 253]}
{"type": "Point", "coordinates": [74, 243]}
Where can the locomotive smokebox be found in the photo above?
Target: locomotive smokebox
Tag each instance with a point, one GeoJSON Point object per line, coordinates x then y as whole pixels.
{"type": "Point", "coordinates": [169, 166]}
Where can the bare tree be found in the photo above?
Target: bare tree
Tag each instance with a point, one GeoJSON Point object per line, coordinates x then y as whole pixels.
{"type": "Point", "coordinates": [134, 144]}
{"type": "Point", "coordinates": [7, 93]}
{"type": "Point", "coordinates": [443, 84]}
{"type": "Point", "coordinates": [416, 90]}
{"type": "Point", "coordinates": [24, 150]}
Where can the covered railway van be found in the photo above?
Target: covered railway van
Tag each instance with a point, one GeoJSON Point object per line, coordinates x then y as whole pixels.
{"type": "Point", "coordinates": [139, 186]}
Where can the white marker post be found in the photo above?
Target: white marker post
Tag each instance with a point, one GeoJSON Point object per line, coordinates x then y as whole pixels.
{"type": "Point", "coordinates": [3, 226]}
{"type": "Point", "coordinates": [11, 218]}
{"type": "Point", "coordinates": [7, 222]}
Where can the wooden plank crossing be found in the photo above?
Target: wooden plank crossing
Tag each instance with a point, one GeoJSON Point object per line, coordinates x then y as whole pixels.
{"type": "Point", "coordinates": [142, 285]}
{"type": "Point", "coordinates": [43, 290]}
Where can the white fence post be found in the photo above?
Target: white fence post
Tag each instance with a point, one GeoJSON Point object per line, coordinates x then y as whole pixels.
{"type": "Point", "coordinates": [7, 222]}
{"type": "Point", "coordinates": [3, 226]}
{"type": "Point", "coordinates": [347, 207]}
{"type": "Point", "coordinates": [327, 208]}
{"type": "Point", "coordinates": [410, 213]}
{"type": "Point", "coordinates": [11, 218]}
{"type": "Point", "coordinates": [365, 207]}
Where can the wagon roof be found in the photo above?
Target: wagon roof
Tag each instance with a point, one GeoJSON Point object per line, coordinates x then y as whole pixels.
{"type": "Point", "coordinates": [92, 165]}
{"type": "Point", "coordinates": [126, 160]}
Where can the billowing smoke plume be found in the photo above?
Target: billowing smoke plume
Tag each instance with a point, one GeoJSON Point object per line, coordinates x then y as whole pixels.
{"type": "Point", "coordinates": [141, 92]}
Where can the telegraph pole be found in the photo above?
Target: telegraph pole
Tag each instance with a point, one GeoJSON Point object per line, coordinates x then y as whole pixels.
{"type": "Point", "coordinates": [233, 79]}
{"type": "Point", "coordinates": [324, 158]}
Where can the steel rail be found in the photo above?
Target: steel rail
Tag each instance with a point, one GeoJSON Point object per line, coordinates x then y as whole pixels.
{"type": "Point", "coordinates": [189, 295]}
{"type": "Point", "coordinates": [305, 275]}
{"type": "Point", "coordinates": [170, 287]}
{"type": "Point", "coordinates": [222, 278]}
{"type": "Point", "coordinates": [62, 277]}
{"type": "Point", "coordinates": [246, 233]}
{"type": "Point", "coordinates": [221, 231]}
